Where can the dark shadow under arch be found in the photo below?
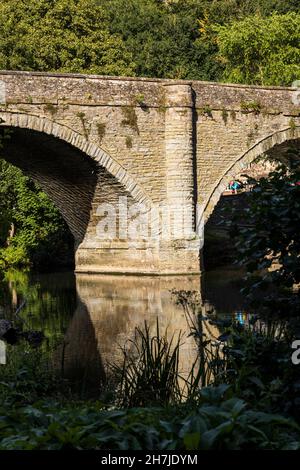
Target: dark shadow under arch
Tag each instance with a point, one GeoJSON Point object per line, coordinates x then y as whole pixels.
{"type": "Point", "coordinates": [275, 145]}
{"type": "Point", "coordinates": [75, 177]}
{"type": "Point", "coordinates": [63, 172]}
{"type": "Point", "coordinates": [218, 247]}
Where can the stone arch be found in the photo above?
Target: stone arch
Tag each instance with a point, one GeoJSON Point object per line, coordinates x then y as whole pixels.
{"type": "Point", "coordinates": [262, 147]}
{"type": "Point", "coordinates": [65, 133]}
{"type": "Point", "coordinates": [57, 160]}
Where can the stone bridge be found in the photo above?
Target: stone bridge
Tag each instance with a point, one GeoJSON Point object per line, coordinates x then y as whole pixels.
{"type": "Point", "coordinates": [137, 144]}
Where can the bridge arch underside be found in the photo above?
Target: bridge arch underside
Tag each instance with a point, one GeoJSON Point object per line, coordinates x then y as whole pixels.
{"type": "Point", "coordinates": [72, 180]}
{"type": "Point", "coordinates": [79, 185]}
{"type": "Point", "coordinates": [218, 245]}
{"type": "Point", "coordinates": [62, 171]}
{"type": "Point", "coordinates": [282, 147]}
{"type": "Point", "coordinates": [75, 183]}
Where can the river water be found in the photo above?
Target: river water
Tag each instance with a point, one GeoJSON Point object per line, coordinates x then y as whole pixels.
{"type": "Point", "coordinates": [92, 316]}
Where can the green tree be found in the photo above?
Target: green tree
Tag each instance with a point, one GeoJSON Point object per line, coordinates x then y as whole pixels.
{"type": "Point", "coordinates": [41, 237]}
{"type": "Point", "coordinates": [263, 51]}
{"type": "Point", "coordinates": [163, 37]}
{"type": "Point", "coordinates": [175, 38]}
{"type": "Point", "coordinates": [62, 36]}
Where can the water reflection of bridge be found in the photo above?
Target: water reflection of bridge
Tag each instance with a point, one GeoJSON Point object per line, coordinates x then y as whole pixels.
{"type": "Point", "coordinates": [108, 310]}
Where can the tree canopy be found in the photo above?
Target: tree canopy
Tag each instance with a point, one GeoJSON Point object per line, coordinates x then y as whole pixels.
{"type": "Point", "coordinates": [254, 41]}
{"type": "Point", "coordinates": [62, 36]}
{"type": "Point", "coordinates": [192, 39]}
{"type": "Point", "coordinates": [264, 51]}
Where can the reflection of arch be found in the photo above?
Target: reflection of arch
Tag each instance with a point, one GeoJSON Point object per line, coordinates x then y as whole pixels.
{"type": "Point", "coordinates": [264, 146]}
{"type": "Point", "coordinates": [110, 307]}
{"type": "Point", "coordinates": [65, 133]}
{"type": "Point", "coordinates": [79, 358]}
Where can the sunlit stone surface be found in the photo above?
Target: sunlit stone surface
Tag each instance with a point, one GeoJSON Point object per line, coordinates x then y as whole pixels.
{"type": "Point", "coordinates": [88, 140]}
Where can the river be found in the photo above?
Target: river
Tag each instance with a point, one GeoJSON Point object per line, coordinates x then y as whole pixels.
{"type": "Point", "coordinates": [92, 316]}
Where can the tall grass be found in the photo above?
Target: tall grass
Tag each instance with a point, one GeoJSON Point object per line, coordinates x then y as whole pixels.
{"type": "Point", "coordinates": [149, 373]}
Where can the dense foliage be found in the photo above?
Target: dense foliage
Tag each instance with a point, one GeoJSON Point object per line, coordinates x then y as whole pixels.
{"type": "Point", "coordinates": [262, 51]}
{"type": "Point", "coordinates": [63, 36]}
{"type": "Point", "coordinates": [269, 246]}
{"type": "Point", "coordinates": [40, 412]}
{"type": "Point", "coordinates": [197, 39]}
{"type": "Point", "coordinates": [40, 238]}
{"type": "Point", "coordinates": [217, 423]}
{"type": "Point", "coordinates": [177, 39]}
